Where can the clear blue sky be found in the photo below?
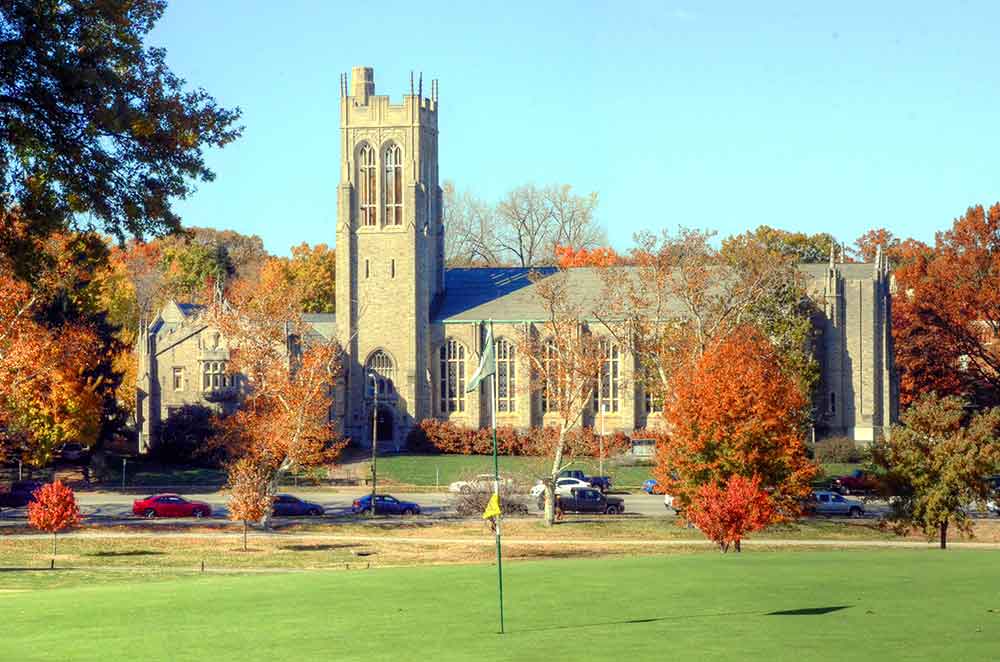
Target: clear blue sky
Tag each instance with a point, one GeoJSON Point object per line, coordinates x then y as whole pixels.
{"type": "Point", "coordinates": [834, 116]}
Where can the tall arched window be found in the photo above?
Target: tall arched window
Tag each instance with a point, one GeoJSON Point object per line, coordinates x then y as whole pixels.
{"type": "Point", "coordinates": [606, 394]}
{"type": "Point", "coordinates": [394, 185]}
{"type": "Point", "coordinates": [366, 185]}
{"type": "Point", "coordinates": [452, 373]}
{"type": "Point", "coordinates": [381, 366]}
{"type": "Point", "coordinates": [506, 374]}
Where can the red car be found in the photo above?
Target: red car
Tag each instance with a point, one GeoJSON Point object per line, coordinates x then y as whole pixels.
{"type": "Point", "coordinates": [170, 505]}
{"type": "Point", "coordinates": [856, 482]}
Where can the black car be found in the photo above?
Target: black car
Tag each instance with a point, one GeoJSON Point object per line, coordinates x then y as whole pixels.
{"type": "Point", "coordinates": [20, 494]}
{"type": "Point", "coordinates": [286, 505]}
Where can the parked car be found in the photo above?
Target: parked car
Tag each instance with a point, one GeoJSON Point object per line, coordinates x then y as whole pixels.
{"type": "Point", "coordinates": [993, 506]}
{"type": "Point", "coordinates": [603, 483]}
{"type": "Point", "coordinates": [20, 494]}
{"type": "Point", "coordinates": [481, 483]}
{"type": "Point", "coordinates": [563, 486]}
{"type": "Point", "coordinates": [385, 505]}
{"type": "Point", "coordinates": [72, 452]}
{"type": "Point", "coordinates": [856, 482]}
{"type": "Point", "coordinates": [649, 487]}
{"type": "Point", "coordinates": [831, 503]}
{"type": "Point", "coordinates": [286, 505]}
{"type": "Point", "coordinates": [170, 505]}
{"type": "Point", "coordinates": [589, 500]}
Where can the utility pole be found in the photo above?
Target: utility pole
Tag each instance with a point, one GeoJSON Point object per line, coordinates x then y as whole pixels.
{"type": "Point", "coordinates": [374, 436]}
{"type": "Point", "coordinates": [604, 410]}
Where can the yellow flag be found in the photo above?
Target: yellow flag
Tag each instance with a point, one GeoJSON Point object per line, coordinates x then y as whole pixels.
{"type": "Point", "coordinates": [493, 507]}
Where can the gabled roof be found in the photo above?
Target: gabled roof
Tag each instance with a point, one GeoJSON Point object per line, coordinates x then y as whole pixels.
{"type": "Point", "coordinates": [508, 294]}
{"type": "Point", "coordinates": [322, 324]}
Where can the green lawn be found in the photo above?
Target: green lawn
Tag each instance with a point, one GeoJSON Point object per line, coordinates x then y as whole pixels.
{"type": "Point", "coordinates": [431, 470]}
{"type": "Point", "coordinates": [881, 605]}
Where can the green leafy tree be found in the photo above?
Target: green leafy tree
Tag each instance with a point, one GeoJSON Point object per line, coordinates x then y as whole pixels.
{"type": "Point", "coordinates": [935, 463]}
{"type": "Point", "coordinates": [802, 247]}
{"type": "Point", "coordinates": [93, 124]}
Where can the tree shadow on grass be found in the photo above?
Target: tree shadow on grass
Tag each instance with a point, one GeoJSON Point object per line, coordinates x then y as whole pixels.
{"type": "Point", "coordinates": [131, 552]}
{"type": "Point", "coordinates": [317, 548]}
{"type": "Point", "coordinates": [807, 611]}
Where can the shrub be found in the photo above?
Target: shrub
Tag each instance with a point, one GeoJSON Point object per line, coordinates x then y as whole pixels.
{"type": "Point", "coordinates": [434, 436]}
{"type": "Point", "coordinates": [184, 435]}
{"type": "Point", "coordinates": [837, 450]}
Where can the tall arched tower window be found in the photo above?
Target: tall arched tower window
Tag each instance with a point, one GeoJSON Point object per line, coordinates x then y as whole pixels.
{"type": "Point", "coordinates": [506, 373]}
{"type": "Point", "coordinates": [383, 368]}
{"type": "Point", "coordinates": [452, 377]}
{"type": "Point", "coordinates": [393, 185]}
{"type": "Point", "coordinates": [606, 394]}
{"type": "Point", "coordinates": [366, 185]}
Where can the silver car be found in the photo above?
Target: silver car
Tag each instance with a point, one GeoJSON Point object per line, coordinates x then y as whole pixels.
{"type": "Point", "coordinates": [831, 504]}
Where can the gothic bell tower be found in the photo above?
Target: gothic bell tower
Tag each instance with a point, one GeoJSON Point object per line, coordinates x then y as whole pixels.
{"type": "Point", "coordinates": [390, 256]}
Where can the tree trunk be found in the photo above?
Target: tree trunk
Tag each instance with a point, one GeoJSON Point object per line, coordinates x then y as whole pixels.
{"type": "Point", "coordinates": [737, 546]}
{"type": "Point", "coordinates": [944, 534]}
{"type": "Point", "coordinates": [244, 535]}
{"type": "Point", "coordinates": [54, 534]}
{"type": "Point", "coordinates": [550, 497]}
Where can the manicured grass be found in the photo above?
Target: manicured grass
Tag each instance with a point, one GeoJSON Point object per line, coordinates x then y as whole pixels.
{"type": "Point", "coordinates": [882, 605]}
{"type": "Point", "coordinates": [440, 470]}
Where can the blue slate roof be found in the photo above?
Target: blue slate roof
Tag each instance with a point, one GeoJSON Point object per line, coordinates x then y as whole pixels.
{"type": "Point", "coordinates": [480, 293]}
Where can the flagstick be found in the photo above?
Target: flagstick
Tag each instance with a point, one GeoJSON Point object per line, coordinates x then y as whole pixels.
{"type": "Point", "coordinates": [496, 478]}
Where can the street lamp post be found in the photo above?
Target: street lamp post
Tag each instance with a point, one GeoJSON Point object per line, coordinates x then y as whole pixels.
{"type": "Point", "coordinates": [374, 437]}
{"type": "Point", "coordinates": [604, 410]}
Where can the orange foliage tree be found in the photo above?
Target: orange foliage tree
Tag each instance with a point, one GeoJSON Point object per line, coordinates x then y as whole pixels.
{"type": "Point", "coordinates": [727, 513]}
{"type": "Point", "coordinates": [567, 257]}
{"type": "Point", "coordinates": [946, 317]}
{"type": "Point", "coordinates": [283, 422]}
{"type": "Point", "coordinates": [248, 497]}
{"type": "Point", "coordinates": [736, 412]}
{"type": "Point", "coordinates": [53, 510]}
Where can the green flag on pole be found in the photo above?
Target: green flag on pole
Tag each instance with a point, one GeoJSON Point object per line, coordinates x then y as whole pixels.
{"type": "Point", "coordinates": [487, 364]}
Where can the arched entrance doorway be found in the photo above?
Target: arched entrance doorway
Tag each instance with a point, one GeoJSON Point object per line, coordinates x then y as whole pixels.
{"type": "Point", "coordinates": [385, 428]}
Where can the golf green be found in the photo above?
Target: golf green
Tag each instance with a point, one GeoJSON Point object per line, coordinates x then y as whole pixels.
{"type": "Point", "coordinates": [845, 605]}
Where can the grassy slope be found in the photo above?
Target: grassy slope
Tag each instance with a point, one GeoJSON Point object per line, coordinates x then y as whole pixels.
{"type": "Point", "coordinates": [426, 469]}
{"type": "Point", "coordinates": [898, 604]}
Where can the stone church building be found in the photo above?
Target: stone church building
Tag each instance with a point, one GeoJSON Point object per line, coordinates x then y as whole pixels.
{"type": "Point", "coordinates": [415, 328]}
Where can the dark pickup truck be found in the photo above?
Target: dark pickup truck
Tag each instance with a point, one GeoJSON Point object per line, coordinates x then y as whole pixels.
{"type": "Point", "coordinates": [587, 500]}
{"type": "Point", "coordinates": [603, 483]}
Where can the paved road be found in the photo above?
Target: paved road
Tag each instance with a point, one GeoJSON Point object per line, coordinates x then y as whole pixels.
{"type": "Point", "coordinates": [114, 507]}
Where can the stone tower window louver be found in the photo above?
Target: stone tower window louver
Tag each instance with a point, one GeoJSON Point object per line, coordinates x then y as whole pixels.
{"type": "Point", "coordinates": [366, 185]}
{"type": "Point", "coordinates": [394, 185]}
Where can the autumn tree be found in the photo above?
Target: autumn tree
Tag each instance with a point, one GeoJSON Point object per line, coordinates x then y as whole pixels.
{"type": "Point", "coordinates": [737, 412]}
{"type": "Point", "coordinates": [799, 246]}
{"type": "Point", "coordinates": [726, 513]}
{"type": "Point", "coordinates": [53, 510]}
{"type": "Point", "coordinates": [470, 229]}
{"type": "Point", "coordinates": [946, 324]}
{"type": "Point", "coordinates": [248, 494]}
{"type": "Point", "coordinates": [93, 124]}
{"type": "Point", "coordinates": [565, 359]}
{"type": "Point", "coordinates": [683, 294]}
{"type": "Point", "coordinates": [935, 462]}
{"type": "Point", "coordinates": [311, 272]}
{"type": "Point", "coordinates": [283, 421]}
{"type": "Point", "coordinates": [568, 258]}
{"type": "Point", "coordinates": [532, 221]}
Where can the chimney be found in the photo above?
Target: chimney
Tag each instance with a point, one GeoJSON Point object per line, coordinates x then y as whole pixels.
{"type": "Point", "coordinates": [362, 83]}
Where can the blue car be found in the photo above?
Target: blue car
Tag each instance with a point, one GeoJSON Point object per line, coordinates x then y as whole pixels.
{"type": "Point", "coordinates": [649, 486]}
{"type": "Point", "coordinates": [385, 505]}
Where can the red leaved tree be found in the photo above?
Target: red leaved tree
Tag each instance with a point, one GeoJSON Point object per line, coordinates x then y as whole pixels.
{"type": "Point", "coordinates": [567, 257]}
{"type": "Point", "coordinates": [726, 514]}
{"type": "Point", "coordinates": [53, 510]}
{"type": "Point", "coordinates": [737, 412]}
